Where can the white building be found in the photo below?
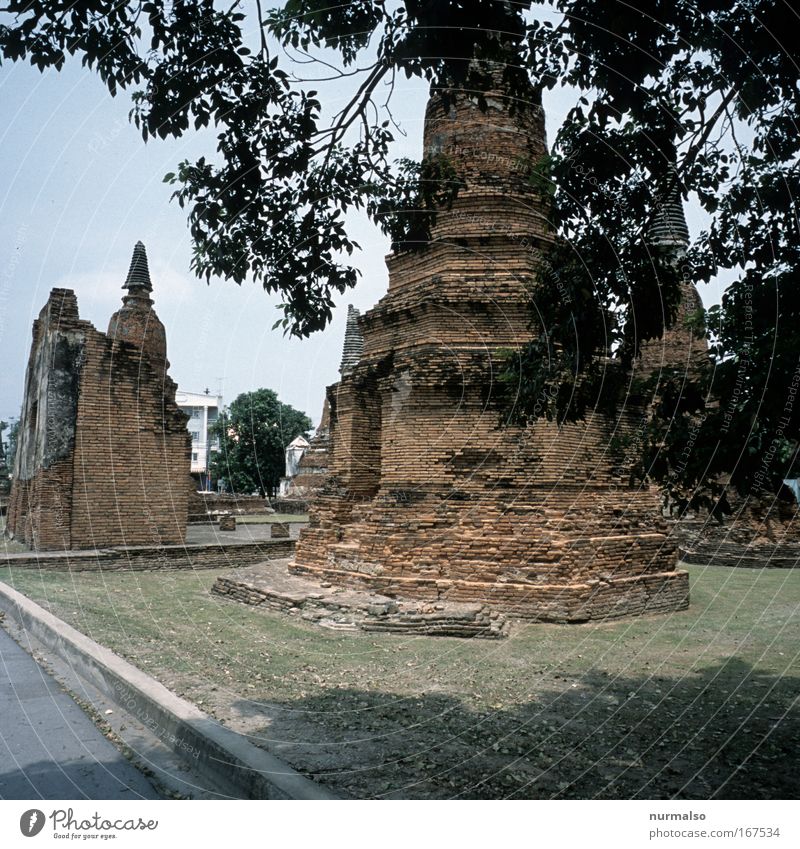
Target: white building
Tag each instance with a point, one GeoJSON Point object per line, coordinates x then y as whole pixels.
{"type": "Point", "coordinates": [203, 409]}
{"type": "Point", "coordinates": [294, 454]}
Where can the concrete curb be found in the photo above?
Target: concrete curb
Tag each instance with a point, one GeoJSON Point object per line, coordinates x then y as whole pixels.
{"type": "Point", "coordinates": [243, 770]}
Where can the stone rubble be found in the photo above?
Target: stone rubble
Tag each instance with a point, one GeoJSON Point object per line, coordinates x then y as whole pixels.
{"type": "Point", "coordinates": [269, 585]}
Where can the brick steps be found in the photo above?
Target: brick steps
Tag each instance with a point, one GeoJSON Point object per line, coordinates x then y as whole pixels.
{"type": "Point", "coordinates": [593, 599]}
{"type": "Point", "coordinates": [272, 586]}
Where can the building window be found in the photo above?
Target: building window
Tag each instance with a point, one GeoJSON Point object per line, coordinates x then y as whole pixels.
{"type": "Point", "coordinates": [195, 434]}
{"type": "Point", "coordinates": [194, 456]}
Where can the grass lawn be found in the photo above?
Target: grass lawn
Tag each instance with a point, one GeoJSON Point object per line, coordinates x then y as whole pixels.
{"type": "Point", "coordinates": [697, 704]}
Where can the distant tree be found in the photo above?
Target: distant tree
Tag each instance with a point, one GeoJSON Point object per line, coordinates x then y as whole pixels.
{"type": "Point", "coordinates": [3, 466]}
{"type": "Point", "coordinates": [8, 444]}
{"type": "Point", "coordinates": [253, 433]}
{"type": "Point", "coordinates": [7, 450]}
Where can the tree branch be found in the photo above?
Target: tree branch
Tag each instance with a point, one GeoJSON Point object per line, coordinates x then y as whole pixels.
{"type": "Point", "coordinates": [264, 48]}
{"type": "Point", "coordinates": [359, 104]}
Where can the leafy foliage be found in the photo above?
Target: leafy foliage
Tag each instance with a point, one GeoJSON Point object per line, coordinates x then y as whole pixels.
{"type": "Point", "coordinates": [671, 92]}
{"type": "Point", "coordinates": [269, 204]}
{"type": "Point", "coordinates": [253, 433]}
{"type": "Point", "coordinates": [8, 446]}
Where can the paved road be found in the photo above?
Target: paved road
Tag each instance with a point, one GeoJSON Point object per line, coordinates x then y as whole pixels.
{"type": "Point", "coordinates": [208, 534]}
{"type": "Point", "coordinates": [49, 748]}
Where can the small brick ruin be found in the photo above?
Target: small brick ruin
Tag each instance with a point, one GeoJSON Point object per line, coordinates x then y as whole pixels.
{"type": "Point", "coordinates": [103, 451]}
{"type": "Point", "coordinates": [682, 346]}
{"type": "Point", "coordinates": [312, 470]}
{"type": "Point", "coordinates": [431, 496]}
{"type": "Point", "coordinates": [758, 532]}
{"type": "Point", "coordinates": [280, 530]}
{"type": "Point", "coordinates": [227, 523]}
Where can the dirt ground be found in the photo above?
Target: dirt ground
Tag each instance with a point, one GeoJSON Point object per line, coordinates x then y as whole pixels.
{"type": "Point", "coordinates": [698, 704]}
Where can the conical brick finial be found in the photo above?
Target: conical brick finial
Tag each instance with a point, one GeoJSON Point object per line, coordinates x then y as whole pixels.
{"type": "Point", "coordinates": [138, 273]}
{"type": "Point", "coordinates": [668, 228]}
{"type": "Point", "coordinates": [353, 342]}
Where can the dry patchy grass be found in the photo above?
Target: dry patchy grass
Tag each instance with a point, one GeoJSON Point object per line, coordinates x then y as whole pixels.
{"type": "Point", "coordinates": [697, 704]}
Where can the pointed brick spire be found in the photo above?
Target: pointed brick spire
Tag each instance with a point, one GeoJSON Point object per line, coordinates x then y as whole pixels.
{"type": "Point", "coordinates": [138, 273]}
{"type": "Point", "coordinates": [353, 342]}
{"type": "Point", "coordinates": [668, 229]}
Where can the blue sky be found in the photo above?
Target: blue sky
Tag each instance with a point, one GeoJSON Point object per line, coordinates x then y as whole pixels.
{"type": "Point", "coordinates": [78, 187]}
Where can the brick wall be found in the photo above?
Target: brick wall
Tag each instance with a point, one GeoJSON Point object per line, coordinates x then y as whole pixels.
{"type": "Point", "coordinates": [150, 558]}
{"type": "Point", "coordinates": [104, 449]}
{"type": "Point", "coordinates": [204, 506]}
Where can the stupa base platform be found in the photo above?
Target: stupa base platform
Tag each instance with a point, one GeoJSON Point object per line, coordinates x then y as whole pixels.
{"type": "Point", "coordinates": [591, 600]}
{"type": "Point", "coordinates": [743, 540]}
{"type": "Point", "coordinates": [272, 586]}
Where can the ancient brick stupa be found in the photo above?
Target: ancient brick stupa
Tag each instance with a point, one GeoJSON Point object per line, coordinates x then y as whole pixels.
{"type": "Point", "coordinates": [136, 321]}
{"type": "Point", "coordinates": [312, 470]}
{"type": "Point", "coordinates": [103, 451]}
{"type": "Point", "coordinates": [760, 529]}
{"type": "Point", "coordinates": [429, 495]}
{"type": "Point", "coordinates": [682, 346]}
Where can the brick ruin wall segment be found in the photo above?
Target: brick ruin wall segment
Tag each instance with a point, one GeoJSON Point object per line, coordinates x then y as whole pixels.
{"type": "Point", "coordinates": [103, 454]}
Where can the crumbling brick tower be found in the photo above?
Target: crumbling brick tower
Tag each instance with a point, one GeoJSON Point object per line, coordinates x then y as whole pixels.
{"type": "Point", "coordinates": [103, 451]}
{"type": "Point", "coordinates": [682, 347]}
{"type": "Point", "coordinates": [430, 496]}
{"type": "Point", "coordinates": [313, 466]}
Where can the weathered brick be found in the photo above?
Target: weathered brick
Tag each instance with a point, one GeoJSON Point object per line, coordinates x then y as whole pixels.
{"type": "Point", "coordinates": [430, 495]}
{"type": "Point", "coordinates": [103, 451]}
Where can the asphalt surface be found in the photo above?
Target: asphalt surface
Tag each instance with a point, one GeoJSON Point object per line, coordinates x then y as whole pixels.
{"type": "Point", "coordinates": [49, 748]}
{"type": "Point", "coordinates": [209, 534]}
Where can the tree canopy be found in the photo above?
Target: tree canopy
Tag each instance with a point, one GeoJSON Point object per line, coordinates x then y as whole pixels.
{"type": "Point", "coordinates": [253, 433]}
{"type": "Point", "coordinates": [7, 451]}
{"type": "Point", "coordinates": [695, 96]}
{"type": "Point", "coordinates": [700, 98]}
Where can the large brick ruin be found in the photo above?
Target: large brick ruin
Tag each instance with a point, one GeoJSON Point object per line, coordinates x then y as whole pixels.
{"type": "Point", "coordinates": [430, 495]}
{"type": "Point", "coordinates": [103, 451]}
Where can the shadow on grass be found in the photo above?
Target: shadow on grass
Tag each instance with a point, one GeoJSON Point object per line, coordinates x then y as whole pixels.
{"type": "Point", "coordinates": [725, 731]}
